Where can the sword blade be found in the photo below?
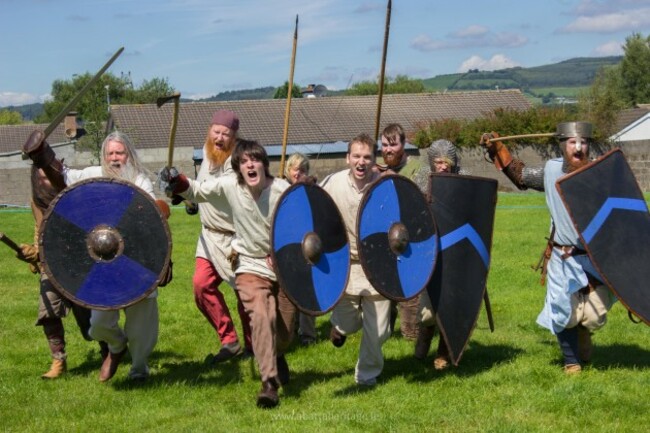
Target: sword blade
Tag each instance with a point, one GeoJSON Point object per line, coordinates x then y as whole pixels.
{"type": "Point", "coordinates": [70, 105]}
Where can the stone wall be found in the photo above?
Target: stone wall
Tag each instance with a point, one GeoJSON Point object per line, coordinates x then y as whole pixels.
{"type": "Point", "coordinates": [15, 188]}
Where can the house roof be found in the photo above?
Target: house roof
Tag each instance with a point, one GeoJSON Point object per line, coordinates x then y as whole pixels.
{"type": "Point", "coordinates": [313, 120]}
{"type": "Point", "coordinates": [12, 137]}
{"type": "Point", "coordinates": [629, 116]}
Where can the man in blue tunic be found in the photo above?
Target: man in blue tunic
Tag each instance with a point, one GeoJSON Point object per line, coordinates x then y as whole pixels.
{"type": "Point", "coordinates": [576, 301]}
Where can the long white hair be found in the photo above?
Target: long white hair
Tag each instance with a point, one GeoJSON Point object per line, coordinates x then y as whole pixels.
{"type": "Point", "coordinates": [134, 166]}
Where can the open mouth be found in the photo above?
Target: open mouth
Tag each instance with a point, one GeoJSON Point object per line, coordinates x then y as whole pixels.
{"type": "Point", "coordinates": [360, 171]}
{"type": "Point", "coordinates": [252, 174]}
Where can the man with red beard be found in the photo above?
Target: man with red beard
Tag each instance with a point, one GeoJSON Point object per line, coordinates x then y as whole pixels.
{"type": "Point", "coordinates": [214, 245]}
{"type": "Point", "coordinates": [393, 140]}
{"type": "Point", "coordinates": [576, 301]}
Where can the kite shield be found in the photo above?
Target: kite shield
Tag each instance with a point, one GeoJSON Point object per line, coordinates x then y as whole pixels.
{"type": "Point", "coordinates": [310, 248]}
{"type": "Point", "coordinates": [463, 207]}
{"type": "Point", "coordinates": [104, 243]}
{"type": "Point", "coordinates": [612, 218]}
{"type": "Point", "coordinates": [398, 242]}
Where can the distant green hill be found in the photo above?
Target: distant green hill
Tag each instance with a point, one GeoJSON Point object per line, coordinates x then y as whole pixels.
{"type": "Point", "coordinates": [562, 79]}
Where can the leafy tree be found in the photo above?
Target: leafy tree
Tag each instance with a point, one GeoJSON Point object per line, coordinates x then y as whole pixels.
{"type": "Point", "coordinates": [399, 84]}
{"type": "Point", "coordinates": [601, 103]}
{"type": "Point", "coordinates": [635, 69]}
{"type": "Point", "coordinates": [8, 117]}
{"type": "Point", "coordinates": [282, 91]}
{"type": "Point", "coordinates": [93, 108]}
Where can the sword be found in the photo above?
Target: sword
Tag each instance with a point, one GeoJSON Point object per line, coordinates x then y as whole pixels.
{"type": "Point", "coordinates": [66, 109]}
{"type": "Point", "coordinates": [11, 244]}
{"type": "Point", "coordinates": [488, 310]}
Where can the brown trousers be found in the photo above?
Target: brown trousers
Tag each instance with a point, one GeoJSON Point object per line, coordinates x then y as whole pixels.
{"type": "Point", "coordinates": [272, 320]}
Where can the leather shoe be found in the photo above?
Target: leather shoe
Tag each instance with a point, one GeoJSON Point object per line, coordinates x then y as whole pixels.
{"type": "Point", "coordinates": [337, 338]}
{"type": "Point", "coordinates": [283, 370]}
{"type": "Point", "coordinates": [268, 395]}
{"type": "Point", "coordinates": [109, 366]}
{"type": "Point", "coordinates": [227, 352]}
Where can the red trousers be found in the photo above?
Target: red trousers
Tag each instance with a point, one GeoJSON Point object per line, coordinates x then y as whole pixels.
{"type": "Point", "coordinates": [212, 304]}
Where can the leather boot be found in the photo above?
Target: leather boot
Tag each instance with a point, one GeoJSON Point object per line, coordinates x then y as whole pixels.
{"type": "Point", "coordinates": [268, 395]}
{"type": "Point", "coordinates": [442, 357]}
{"type": "Point", "coordinates": [57, 369]}
{"type": "Point", "coordinates": [109, 366]}
{"type": "Point", "coordinates": [423, 343]}
{"type": "Point", "coordinates": [585, 347]}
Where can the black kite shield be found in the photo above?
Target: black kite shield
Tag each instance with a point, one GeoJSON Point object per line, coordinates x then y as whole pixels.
{"type": "Point", "coordinates": [612, 219]}
{"type": "Point", "coordinates": [463, 207]}
{"type": "Point", "coordinates": [310, 248]}
{"type": "Point", "coordinates": [398, 242]}
{"type": "Point", "coordinates": [104, 243]}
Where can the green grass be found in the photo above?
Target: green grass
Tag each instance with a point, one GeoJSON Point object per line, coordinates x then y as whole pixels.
{"type": "Point", "coordinates": [508, 381]}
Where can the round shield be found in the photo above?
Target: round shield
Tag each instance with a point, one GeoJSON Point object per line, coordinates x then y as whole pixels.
{"type": "Point", "coordinates": [104, 243]}
{"type": "Point", "coordinates": [310, 248]}
{"type": "Point", "coordinates": [398, 241]}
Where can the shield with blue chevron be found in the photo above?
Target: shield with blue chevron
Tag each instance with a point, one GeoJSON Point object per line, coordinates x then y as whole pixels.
{"type": "Point", "coordinates": [397, 238]}
{"type": "Point", "coordinates": [104, 243]}
{"type": "Point", "coordinates": [463, 207]}
{"type": "Point", "coordinates": [310, 248]}
{"type": "Point", "coordinates": [611, 216]}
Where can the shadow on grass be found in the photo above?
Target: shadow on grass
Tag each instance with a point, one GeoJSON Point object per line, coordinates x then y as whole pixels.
{"type": "Point", "coordinates": [476, 359]}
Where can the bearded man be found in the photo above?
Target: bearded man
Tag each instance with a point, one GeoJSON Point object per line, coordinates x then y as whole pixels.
{"type": "Point", "coordinates": [576, 301]}
{"type": "Point", "coordinates": [119, 160]}
{"type": "Point", "coordinates": [214, 246]}
{"type": "Point", "coordinates": [395, 160]}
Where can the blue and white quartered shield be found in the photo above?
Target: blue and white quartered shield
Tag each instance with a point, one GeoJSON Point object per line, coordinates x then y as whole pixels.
{"type": "Point", "coordinates": [398, 244]}
{"type": "Point", "coordinates": [611, 216]}
{"type": "Point", "coordinates": [310, 248]}
{"type": "Point", "coordinates": [104, 244]}
{"type": "Point", "coordinates": [463, 207]}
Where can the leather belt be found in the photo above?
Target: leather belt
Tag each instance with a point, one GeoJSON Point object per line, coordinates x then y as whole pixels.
{"type": "Point", "coordinates": [569, 250]}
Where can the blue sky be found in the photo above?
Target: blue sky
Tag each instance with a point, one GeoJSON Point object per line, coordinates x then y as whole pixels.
{"type": "Point", "coordinates": [204, 47]}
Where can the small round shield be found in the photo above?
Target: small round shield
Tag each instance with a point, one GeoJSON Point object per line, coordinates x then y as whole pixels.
{"type": "Point", "coordinates": [398, 241]}
{"type": "Point", "coordinates": [310, 248]}
{"type": "Point", "coordinates": [104, 243]}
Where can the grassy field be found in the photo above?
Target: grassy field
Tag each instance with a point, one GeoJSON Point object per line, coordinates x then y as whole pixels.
{"type": "Point", "coordinates": [508, 381]}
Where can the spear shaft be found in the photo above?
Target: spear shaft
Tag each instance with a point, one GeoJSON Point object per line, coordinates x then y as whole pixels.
{"type": "Point", "coordinates": [287, 111]}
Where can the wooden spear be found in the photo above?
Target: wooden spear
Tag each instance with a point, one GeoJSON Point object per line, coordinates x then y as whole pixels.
{"type": "Point", "coordinates": [287, 111]}
{"type": "Point", "coordinates": [383, 70]}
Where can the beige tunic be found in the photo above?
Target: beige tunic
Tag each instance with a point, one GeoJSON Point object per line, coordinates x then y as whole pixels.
{"type": "Point", "coordinates": [343, 190]}
{"type": "Point", "coordinates": [217, 229]}
{"type": "Point", "coordinates": [251, 218]}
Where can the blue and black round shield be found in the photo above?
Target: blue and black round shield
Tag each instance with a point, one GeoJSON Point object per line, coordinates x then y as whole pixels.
{"type": "Point", "coordinates": [398, 242]}
{"type": "Point", "coordinates": [310, 248]}
{"type": "Point", "coordinates": [104, 243]}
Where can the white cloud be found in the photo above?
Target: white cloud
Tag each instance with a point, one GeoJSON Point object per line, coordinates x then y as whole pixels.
{"type": "Point", "coordinates": [497, 61]}
{"type": "Point", "coordinates": [469, 37]}
{"type": "Point", "coordinates": [626, 20]}
{"type": "Point", "coordinates": [17, 99]}
{"type": "Point", "coordinates": [471, 31]}
{"type": "Point", "coordinates": [612, 48]}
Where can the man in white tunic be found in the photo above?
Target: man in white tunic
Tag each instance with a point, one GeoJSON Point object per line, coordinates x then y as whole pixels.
{"type": "Point", "coordinates": [253, 194]}
{"type": "Point", "coordinates": [361, 307]}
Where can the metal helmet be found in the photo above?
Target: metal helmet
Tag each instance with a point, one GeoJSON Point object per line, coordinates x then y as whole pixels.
{"type": "Point", "coordinates": [581, 130]}
{"type": "Point", "coordinates": [443, 149]}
